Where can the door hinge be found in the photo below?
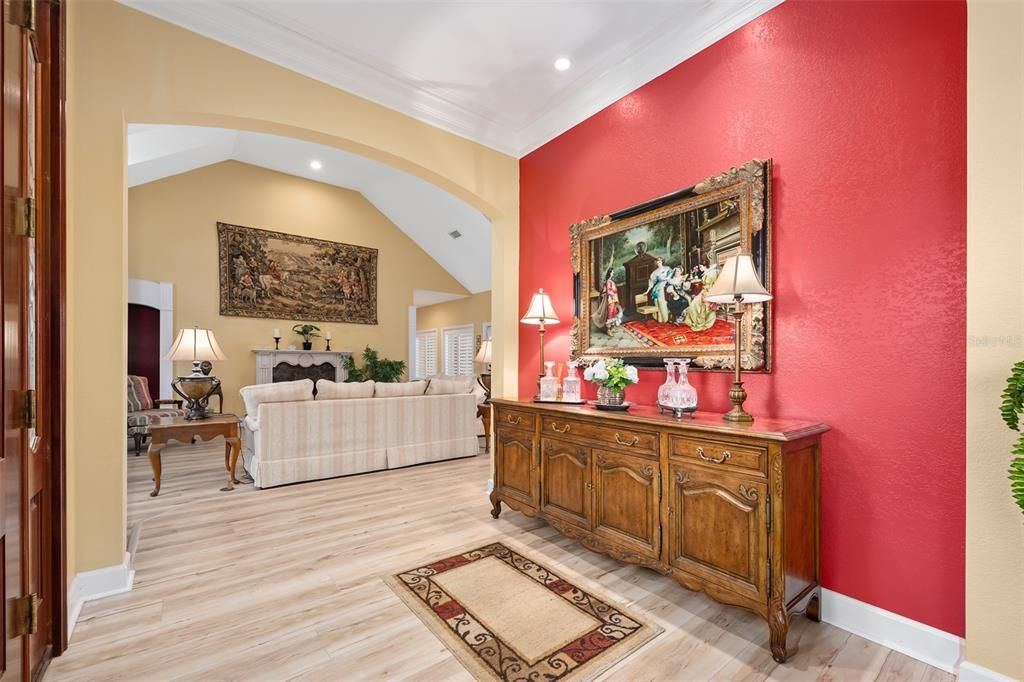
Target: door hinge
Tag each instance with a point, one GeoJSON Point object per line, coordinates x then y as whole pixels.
{"type": "Point", "coordinates": [28, 408]}
{"type": "Point", "coordinates": [768, 513]}
{"type": "Point", "coordinates": [768, 563]}
{"type": "Point", "coordinates": [24, 218]}
{"type": "Point", "coordinates": [26, 614]}
{"type": "Point", "coordinates": [23, 14]}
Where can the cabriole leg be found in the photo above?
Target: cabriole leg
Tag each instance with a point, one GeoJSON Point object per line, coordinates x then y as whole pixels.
{"type": "Point", "coordinates": [778, 626]}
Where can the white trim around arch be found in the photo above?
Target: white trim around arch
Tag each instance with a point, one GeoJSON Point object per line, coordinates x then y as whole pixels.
{"type": "Point", "coordinates": [159, 295]}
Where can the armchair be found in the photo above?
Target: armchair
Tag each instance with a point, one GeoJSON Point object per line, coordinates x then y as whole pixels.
{"type": "Point", "coordinates": [142, 409]}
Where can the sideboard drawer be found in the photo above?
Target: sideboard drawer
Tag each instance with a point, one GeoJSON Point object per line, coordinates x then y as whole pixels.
{"type": "Point", "coordinates": [515, 418]}
{"type": "Point", "coordinates": [745, 458]}
{"type": "Point", "coordinates": [623, 439]}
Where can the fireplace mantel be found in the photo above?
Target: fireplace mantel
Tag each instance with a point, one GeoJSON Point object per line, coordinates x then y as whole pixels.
{"type": "Point", "coordinates": [268, 359]}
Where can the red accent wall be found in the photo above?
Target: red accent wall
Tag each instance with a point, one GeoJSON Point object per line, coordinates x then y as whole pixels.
{"type": "Point", "coordinates": [862, 106]}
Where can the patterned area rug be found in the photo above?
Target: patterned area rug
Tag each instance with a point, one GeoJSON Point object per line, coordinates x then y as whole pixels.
{"type": "Point", "coordinates": [508, 617]}
{"type": "Point", "coordinates": [652, 334]}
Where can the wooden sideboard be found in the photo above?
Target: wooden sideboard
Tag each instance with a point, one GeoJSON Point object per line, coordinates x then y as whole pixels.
{"type": "Point", "coordinates": [728, 509]}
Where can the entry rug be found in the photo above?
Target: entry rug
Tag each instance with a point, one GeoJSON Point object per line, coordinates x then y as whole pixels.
{"type": "Point", "coordinates": [508, 617]}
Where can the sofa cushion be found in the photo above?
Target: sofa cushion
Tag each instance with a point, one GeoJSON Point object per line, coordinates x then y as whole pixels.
{"type": "Point", "coordinates": [445, 387]}
{"type": "Point", "coordinates": [281, 392]}
{"type": "Point", "coordinates": [385, 390]}
{"type": "Point", "coordinates": [333, 390]}
{"type": "Point", "coordinates": [138, 394]}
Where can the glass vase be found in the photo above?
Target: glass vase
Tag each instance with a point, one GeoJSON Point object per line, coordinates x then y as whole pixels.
{"type": "Point", "coordinates": [549, 383]}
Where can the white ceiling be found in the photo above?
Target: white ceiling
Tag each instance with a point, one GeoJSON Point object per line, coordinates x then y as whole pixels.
{"type": "Point", "coordinates": [423, 211]}
{"type": "Point", "coordinates": [483, 69]}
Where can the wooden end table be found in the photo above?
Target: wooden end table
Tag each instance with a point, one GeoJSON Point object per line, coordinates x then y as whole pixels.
{"type": "Point", "coordinates": [484, 412]}
{"type": "Point", "coordinates": [165, 429]}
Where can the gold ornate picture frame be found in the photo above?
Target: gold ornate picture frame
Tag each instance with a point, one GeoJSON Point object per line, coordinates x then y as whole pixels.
{"type": "Point", "coordinates": [639, 275]}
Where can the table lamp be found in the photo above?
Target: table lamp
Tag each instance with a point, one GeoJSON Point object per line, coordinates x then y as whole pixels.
{"type": "Point", "coordinates": [738, 284]}
{"type": "Point", "coordinates": [540, 312]}
{"type": "Point", "coordinates": [195, 345]}
{"type": "Point", "coordinates": [483, 356]}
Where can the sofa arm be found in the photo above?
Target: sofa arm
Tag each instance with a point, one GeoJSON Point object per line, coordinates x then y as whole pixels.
{"type": "Point", "coordinates": [251, 424]}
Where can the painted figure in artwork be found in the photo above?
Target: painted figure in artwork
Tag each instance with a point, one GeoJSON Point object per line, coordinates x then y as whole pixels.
{"type": "Point", "coordinates": [656, 288]}
{"type": "Point", "coordinates": [611, 294]}
{"type": "Point", "coordinates": [677, 296]}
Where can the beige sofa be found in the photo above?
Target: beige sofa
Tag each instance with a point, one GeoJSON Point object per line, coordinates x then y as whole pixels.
{"type": "Point", "coordinates": [288, 436]}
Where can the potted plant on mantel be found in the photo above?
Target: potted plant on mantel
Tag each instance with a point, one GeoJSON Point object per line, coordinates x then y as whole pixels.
{"type": "Point", "coordinates": [308, 332]}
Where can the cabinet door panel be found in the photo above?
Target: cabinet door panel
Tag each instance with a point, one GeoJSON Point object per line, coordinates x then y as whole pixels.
{"type": "Point", "coordinates": [717, 528]}
{"type": "Point", "coordinates": [565, 481]}
{"type": "Point", "coordinates": [516, 466]}
{"type": "Point", "coordinates": [626, 501]}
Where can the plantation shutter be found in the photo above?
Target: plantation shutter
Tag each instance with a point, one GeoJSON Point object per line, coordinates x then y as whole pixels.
{"type": "Point", "coordinates": [458, 350]}
{"type": "Point", "coordinates": [426, 354]}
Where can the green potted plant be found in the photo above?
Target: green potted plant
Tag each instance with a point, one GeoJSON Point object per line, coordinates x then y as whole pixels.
{"type": "Point", "coordinates": [308, 332]}
{"type": "Point", "coordinates": [375, 368]}
{"type": "Point", "coordinates": [1013, 405]}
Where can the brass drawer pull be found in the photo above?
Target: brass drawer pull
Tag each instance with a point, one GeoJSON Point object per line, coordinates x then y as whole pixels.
{"type": "Point", "coordinates": [554, 427]}
{"type": "Point", "coordinates": [725, 456]}
{"type": "Point", "coordinates": [636, 439]}
{"type": "Point", "coordinates": [518, 420]}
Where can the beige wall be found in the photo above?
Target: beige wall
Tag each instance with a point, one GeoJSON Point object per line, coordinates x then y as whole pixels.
{"type": "Point", "coordinates": [172, 237]}
{"type": "Point", "coordinates": [474, 310]}
{"type": "Point", "coordinates": [995, 329]}
{"type": "Point", "coordinates": [125, 67]}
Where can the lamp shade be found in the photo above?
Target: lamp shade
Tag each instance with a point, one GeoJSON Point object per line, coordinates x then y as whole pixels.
{"type": "Point", "coordinates": [738, 279]}
{"type": "Point", "coordinates": [483, 356]}
{"type": "Point", "coordinates": [540, 311]}
{"type": "Point", "coordinates": [194, 344]}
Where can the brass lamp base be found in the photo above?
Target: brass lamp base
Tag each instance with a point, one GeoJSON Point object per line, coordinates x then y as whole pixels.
{"type": "Point", "coordinates": [736, 396]}
{"type": "Point", "coordinates": [196, 392]}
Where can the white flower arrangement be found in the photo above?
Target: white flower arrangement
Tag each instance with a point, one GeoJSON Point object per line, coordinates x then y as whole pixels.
{"type": "Point", "coordinates": [614, 374]}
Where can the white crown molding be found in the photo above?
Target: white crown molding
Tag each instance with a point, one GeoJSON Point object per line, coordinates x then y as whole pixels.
{"type": "Point", "coordinates": [917, 640]}
{"type": "Point", "coordinates": [287, 47]}
{"type": "Point", "coordinates": [281, 45]}
{"type": "Point", "coordinates": [663, 53]}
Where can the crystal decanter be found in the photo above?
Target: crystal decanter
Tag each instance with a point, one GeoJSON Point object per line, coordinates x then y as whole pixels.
{"type": "Point", "coordinates": [684, 396]}
{"type": "Point", "coordinates": [665, 390]}
{"type": "Point", "coordinates": [571, 387]}
{"type": "Point", "coordinates": [549, 383]}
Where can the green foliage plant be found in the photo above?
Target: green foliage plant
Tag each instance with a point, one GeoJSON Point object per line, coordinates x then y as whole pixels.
{"type": "Point", "coordinates": [375, 368]}
{"type": "Point", "coordinates": [1011, 408]}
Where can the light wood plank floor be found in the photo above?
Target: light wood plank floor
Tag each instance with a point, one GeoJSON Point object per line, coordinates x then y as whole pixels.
{"type": "Point", "coordinates": [285, 584]}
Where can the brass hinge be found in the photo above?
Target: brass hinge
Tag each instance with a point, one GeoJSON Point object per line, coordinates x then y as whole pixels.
{"type": "Point", "coordinates": [23, 13]}
{"type": "Point", "coordinates": [28, 408]}
{"type": "Point", "coordinates": [24, 218]}
{"type": "Point", "coordinates": [26, 614]}
{"type": "Point", "coordinates": [768, 563]}
{"type": "Point", "coordinates": [768, 513]}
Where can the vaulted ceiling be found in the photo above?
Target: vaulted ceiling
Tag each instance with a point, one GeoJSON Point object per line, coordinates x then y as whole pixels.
{"type": "Point", "coordinates": [483, 70]}
{"type": "Point", "coordinates": [423, 211]}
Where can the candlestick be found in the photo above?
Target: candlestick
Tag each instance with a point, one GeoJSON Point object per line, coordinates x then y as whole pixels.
{"type": "Point", "coordinates": [277, 342]}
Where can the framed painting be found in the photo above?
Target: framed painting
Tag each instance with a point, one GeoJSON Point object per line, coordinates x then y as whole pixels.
{"type": "Point", "coordinates": [288, 277]}
{"type": "Point", "coordinates": [639, 275]}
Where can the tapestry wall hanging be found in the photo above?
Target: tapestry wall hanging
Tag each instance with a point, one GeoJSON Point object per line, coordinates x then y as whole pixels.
{"type": "Point", "coordinates": [285, 276]}
{"type": "Point", "coordinates": [640, 274]}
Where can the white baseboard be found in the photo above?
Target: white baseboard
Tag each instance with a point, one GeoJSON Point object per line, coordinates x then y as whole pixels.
{"type": "Point", "coordinates": [917, 640]}
{"type": "Point", "coordinates": [102, 582]}
{"type": "Point", "coordinates": [972, 672]}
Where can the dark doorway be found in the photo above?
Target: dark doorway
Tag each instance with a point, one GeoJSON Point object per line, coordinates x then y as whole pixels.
{"type": "Point", "coordinates": [144, 345]}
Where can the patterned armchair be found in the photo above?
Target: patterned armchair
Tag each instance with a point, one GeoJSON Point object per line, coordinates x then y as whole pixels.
{"type": "Point", "coordinates": [142, 409]}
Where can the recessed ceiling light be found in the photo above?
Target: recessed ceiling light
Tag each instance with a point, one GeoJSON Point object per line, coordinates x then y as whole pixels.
{"type": "Point", "coordinates": [315, 165]}
{"type": "Point", "coordinates": [563, 63]}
